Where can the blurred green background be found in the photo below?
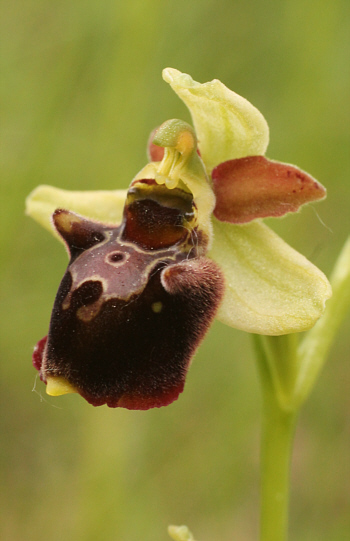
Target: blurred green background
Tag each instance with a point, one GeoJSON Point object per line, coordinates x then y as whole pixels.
{"type": "Point", "coordinates": [82, 89]}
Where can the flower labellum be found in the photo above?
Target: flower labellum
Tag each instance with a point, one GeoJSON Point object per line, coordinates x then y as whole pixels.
{"type": "Point", "coordinates": [135, 300]}
{"type": "Point", "coordinates": [151, 267]}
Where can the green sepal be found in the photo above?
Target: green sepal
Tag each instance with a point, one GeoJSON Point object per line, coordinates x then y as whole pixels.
{"type": "Point", "coordinates": [227, 125]}
{"type": "Point", "coordinates": [104, 206]}
{"type": "Point", "coordinates": [270, 288]}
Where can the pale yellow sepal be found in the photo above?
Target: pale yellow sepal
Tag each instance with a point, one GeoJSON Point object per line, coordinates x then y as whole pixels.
{"type": "Point", "coordinates": [106, 206]}
{"type": "Point", "coordinates": [270, 288]}
{"type": "Point", "coordinates": [57, 385]}
{"type": "Point", "coordinates": [180, 533]}
{"type": "Point", "coordinates": [227, 125]}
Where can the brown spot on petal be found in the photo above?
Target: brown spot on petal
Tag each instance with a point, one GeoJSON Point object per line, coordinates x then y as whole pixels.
{"type": "Point", "coordinates": [255, 187]}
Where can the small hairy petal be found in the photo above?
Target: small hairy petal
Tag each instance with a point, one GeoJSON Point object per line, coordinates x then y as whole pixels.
{"type": "Point", "coordinates": [227, 125]}
{"type": "Point", "coordinates": [106, 206]}
{"type": "Point", "coordinates": [269, 287]}
{"type": "Point", "coordinates": [255, 187]}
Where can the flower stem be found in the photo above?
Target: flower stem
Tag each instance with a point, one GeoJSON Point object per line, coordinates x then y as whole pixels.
{"type": "Point", "coordinates": [278, 426]}
{"type": "Point", "coordinates": [276, 446]}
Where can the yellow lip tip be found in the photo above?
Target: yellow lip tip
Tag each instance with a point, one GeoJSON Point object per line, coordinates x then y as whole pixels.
{"type": "Point", "coordinates": [57, 385]}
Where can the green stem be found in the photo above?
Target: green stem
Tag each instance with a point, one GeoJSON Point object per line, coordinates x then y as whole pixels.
{"type": "Point", "coordinates": [276, 447]}
{"type": "Point", "coordinates": [278, 426]}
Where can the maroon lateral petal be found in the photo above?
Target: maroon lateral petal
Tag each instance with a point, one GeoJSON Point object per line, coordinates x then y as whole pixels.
{"type": "Point", "coordinates": [255, 187]}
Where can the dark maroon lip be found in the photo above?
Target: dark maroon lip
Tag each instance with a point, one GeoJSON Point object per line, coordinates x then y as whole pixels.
{"type": "Point", "coordinates": [134, 303]}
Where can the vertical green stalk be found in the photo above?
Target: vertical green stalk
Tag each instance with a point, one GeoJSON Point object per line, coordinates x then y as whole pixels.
{"type": "Point", "coordinates": [276, 446]}
{"type": "Point", "coordinates": [278, 426]}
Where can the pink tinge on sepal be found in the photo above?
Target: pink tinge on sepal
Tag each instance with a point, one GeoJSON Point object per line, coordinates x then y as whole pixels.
{"type": "Point", "coordinates": [255, 187]}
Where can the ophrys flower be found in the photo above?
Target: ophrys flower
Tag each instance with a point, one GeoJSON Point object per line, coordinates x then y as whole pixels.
{"type": "Point", "coordinates": [151, 267]}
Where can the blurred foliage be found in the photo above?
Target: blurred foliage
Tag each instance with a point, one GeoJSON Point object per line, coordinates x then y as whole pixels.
{"type": "Point", "coordinates": [81, 89]}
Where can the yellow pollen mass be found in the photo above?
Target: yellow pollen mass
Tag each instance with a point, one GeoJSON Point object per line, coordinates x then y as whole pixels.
{"type": "Point", "coordinates": [185, 143]}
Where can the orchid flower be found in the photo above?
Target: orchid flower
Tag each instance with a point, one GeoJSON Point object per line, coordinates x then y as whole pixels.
{"type": "Point", "coordinates": [151, 267]}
